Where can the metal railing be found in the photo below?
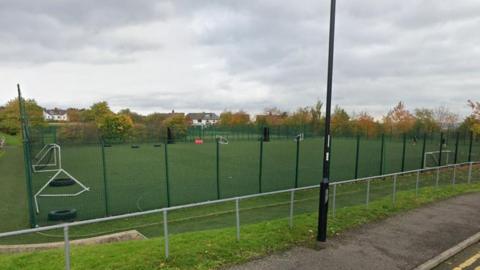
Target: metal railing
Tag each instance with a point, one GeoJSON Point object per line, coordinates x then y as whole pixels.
{"type": "Point", "coordinates": [66, 226]}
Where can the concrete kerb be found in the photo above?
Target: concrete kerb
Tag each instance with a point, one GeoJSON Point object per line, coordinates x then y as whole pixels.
{"type": "Point", "coordinates": [434, 262]}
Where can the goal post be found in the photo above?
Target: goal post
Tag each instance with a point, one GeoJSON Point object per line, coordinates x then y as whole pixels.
{"type": "Point", "coordinates": [431, 159]}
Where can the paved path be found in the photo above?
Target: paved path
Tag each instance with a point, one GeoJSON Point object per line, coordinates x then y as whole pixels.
{"type": "Point", "coordinates": [400, 242]}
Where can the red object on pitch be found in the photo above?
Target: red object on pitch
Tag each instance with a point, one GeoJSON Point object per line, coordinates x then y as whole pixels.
{"type": "Point", "coordinates": [198, 141]}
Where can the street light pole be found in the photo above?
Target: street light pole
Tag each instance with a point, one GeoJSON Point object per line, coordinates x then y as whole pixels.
{"type": "Point", "coordinates": [323, 204]}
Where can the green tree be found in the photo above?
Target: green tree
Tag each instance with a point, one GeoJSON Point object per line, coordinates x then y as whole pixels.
{"type": "Point", "coordinates": [116, 126]}
{"type": "Point", "coordinates": [178, 125]}
{"type": "Point", "coordinates": [10, 116]}
{"type": "Point", "coordinates": [98, 112]}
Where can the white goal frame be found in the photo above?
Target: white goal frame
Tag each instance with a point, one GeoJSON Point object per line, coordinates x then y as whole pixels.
{"type": "Point", "coordinates": [221, 139]}
{"type": "Point", "coordinates": [447, 152]}
{"type": "Point", "coordinates": [57, 164]}
{"type": "Point", "coordinates": [48, 167]}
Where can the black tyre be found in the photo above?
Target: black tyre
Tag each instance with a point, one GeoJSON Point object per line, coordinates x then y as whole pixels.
{"type": "Point", "coordinates": [157, 145]}
{"type": "Point", "coordinates": [62, 215]}
{"type": "Point", "coordinates": [62, 182]}
{"type": "Point", "coordinates": [135, 146]}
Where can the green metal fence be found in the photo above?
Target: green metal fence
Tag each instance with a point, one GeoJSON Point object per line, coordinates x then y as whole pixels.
{"type": "Point", "coordinates": [139, 175]}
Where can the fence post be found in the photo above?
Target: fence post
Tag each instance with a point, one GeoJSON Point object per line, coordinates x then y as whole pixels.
{"type": "Point", "coordinates": [438, 177]}
{"type": "Point", "coordinates": [394, 189]}
{"type": "Point", "coordinates": [455, 158]}
{"type": "Point", "coordinates": [292, 198]}
{"type": "Point", "coordinates": [470, 147]}
{"type": "Point", "coordinates": [218, 167]}
{"type": "Point", "coordinates": [382, 153]}
{"type": "Point", "coordinates": [404, 151]}
{"type": "Point", "coordinates": [470, 172]}
{"type": "Point", "coordinates": [417, 183]}
{"type": "Point", "coordinates": [167, 174]}
{"type": "Point", "coordinates": [368, 193]}
{"type": "Point", "coordinates": [297, 162]}
{"type": "Point", "coordinates": [165, 233]}
{"type": "Point", "coordinates": [261, 167]}
{"type": "Point", "coordinates": [334, 199]}
{"type": "Point", "coordinates": [440, 151]}
{"type": "Point", "coordinates": [424, 147]}
{"type": "Point", "coordinates": [237, 215]}
{"type": "Point", "coordinates": [27, 159]}
{"type": "Point", "coordinates": [66, 247]}
{"type": "Point", "coordinates": [357, 156]}
{"type": "Point", "coordinates": [105, 183]}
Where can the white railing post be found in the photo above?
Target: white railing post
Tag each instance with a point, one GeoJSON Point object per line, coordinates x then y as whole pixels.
{"type": "Point", "coordinates": [368, 193]}
{"type": "Point", "coordinates": [454, 174]}
{"type": "Point", "coordinates": [417, 183]}
{"type": "Point", "coordinates": [66, 247]}
{"type": "Point", "coordinates": [237, 212]}
{"type": "Point", "coordinates": [292, 198]}
{"type": "Point", "coordinates": [394, 189]}
{"type": "Point", "coordinates": [165, 233]}
{"type": "Point", "coordinates": [438, 177]}
{"type": "Point", "coordinates": [470, 172]}
{"type": "Point", "coordinates": [334, 199]}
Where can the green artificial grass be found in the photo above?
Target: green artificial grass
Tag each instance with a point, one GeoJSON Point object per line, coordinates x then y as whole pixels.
{"type": "Point", "coordinates": [217, 248]}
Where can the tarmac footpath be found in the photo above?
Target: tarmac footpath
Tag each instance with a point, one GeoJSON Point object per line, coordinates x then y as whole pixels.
{"type": "Point", "coordinates": [403, 241]}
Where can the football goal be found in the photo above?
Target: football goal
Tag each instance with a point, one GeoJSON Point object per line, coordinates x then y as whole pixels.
{"type": "Point", "coordinates": [431, 159]}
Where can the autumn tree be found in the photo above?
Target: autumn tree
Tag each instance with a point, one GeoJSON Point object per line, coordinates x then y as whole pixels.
{"type": "Point", "coordinates": [10, 116]}
{"type": "Point", "coordinates": [475, 116]}
{"type": "Point", "coordinates": [271, 117]}
{"type": "Point", "coordinates": [398, 120]}
{"type": "Point", "coordinates": [178, 124]}
{"type": "Point", "coordinates": [302, 116]}
{"type": "Point", "coordinates": [340, 122]}
{"type": "Point", "coordinates": [136, 117]}
{"type": "Point", "coordinates": [425, 121]}
{"type": "Point", "coordinates": [365, 125]}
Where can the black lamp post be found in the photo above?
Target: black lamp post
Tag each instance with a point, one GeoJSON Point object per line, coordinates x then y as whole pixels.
{"type": "Point", "coordinates": [323, 204]}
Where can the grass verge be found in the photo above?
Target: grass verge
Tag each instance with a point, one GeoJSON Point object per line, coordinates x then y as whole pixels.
{"type": "Point", "coordinates": [218, 248]}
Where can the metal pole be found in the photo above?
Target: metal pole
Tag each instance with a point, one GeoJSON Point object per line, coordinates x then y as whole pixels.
{"type": "Point", "coordinates": [404, 151]}
{"type": "Point", "coordinates": [423, 150]}
{"type": "Point", "coordinates": [368, 193]}
{"type": "Point", "coordinates": [394, 189]}
{"type": "Point", "coordinates": [105, 184]}
{"type": "Point", "coordinates": [167, 180]}
{"type": "Point", "coordinates": [27, 160]}
{"type": "Point", "coordinates": [455, 158]}
{"type": "Point", "coordinates": [297, 162]}
{"type": "Point", "coordinates": [382, 153]}
{"type": "Point", "coordinates": [470, 147]}
{"type": "Point", "coordinates": [323, 203]}
{"type": "Point", "coordinates": [292, 198]}
{"type": "Point", "coordinates": [438, 177]}
{"type": "Point", "coordinates": [66, 247]}
{"type": "Point", "coordinates": [470, 172]}
{"type": "Point", "coordinates": [218, 168]}
{"type": "Point", "coordinates": [357, 156]}
{"type": "Point", "coordinates": [261, 167]}
{"type": "Point", "coordinates": [440, 151]}
{"type": "Point", "coordinates": [417, 183]}
{"type": "Point", "coordinates": [237, 215]}
{"type": "Point", "coordinates": [165, 233]}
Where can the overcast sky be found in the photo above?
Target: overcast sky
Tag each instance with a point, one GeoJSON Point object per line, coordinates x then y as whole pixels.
{"type": "Point", "coordinates": [153, 55]}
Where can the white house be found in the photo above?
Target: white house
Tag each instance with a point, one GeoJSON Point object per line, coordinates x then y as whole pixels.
{"type": "Point", "coordinates": [55, 115]}
{"type": "Point", "coordinates": [203, 119]}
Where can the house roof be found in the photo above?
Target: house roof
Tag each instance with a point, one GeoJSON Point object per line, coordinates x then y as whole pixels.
{"type": "Point", "coordinates": [56, 111]}
{"type": "Point", "coordinates": [203, 116]}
